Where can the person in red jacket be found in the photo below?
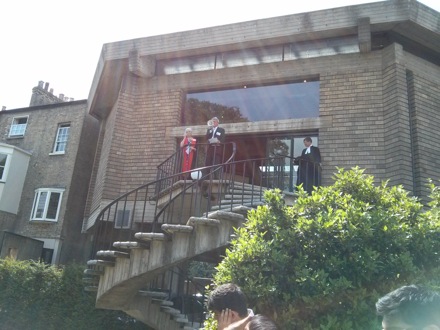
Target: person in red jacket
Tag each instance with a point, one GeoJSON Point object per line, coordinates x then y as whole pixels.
{"type": "Point", "coordinates": [188, 145]}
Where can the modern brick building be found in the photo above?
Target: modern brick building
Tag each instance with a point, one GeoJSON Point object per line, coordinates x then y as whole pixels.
{"type": "Point", "coordinates": [46, 155]}
{"type": "Point", "coordinates": [363, 81]}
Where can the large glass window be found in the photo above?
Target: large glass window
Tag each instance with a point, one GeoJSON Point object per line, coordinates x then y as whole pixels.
{"type": "Point", "coordinates": [61, 139]}
{"type": "Point", "coordinates": [258, 103]}
{"type": "Point", "coordinates": [18, 127]}
{"type": "Point", "coordinates": [47, 204]}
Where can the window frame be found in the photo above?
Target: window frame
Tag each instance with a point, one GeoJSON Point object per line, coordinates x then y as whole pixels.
{"type": "Point", "coordinates": [14, 125]}
{"type": "Point", "coordinates": [4, 173]}
{"type": "Point", "coordinates": [36, 204]}
{"type": "Point", "coordinates": [57, 141]}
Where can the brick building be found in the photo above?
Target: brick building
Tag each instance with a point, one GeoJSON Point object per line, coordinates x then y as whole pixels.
{"type": "Point", "coordinates": [362, 80]}
{"type": "Point", "coordinates": [47, 153]}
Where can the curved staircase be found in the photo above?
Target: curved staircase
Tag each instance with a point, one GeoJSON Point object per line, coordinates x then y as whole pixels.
{"type": "Point", "coordinates": [141, 273]}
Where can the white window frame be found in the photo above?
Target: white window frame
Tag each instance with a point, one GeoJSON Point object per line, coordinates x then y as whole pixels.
{"type": "Point", "coordinates": [61, 139]}
{"type": "Point", "coordinates": [45, 193]}
{"type": "Point", "coordinates": [5, 167]}
{"type": "Point", "coordinates": [18, 130]}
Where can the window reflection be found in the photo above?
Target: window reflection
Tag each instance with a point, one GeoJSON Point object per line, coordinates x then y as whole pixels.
{"type": "Point", "coordinates": [261, 103]}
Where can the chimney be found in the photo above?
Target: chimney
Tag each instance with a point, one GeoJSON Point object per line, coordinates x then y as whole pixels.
{"type": "Point", "coordinates": [3, 108]}
{"type": "Point", "coordinates": [40, 84]}
{"type": "Point", "coordinates": [51, 91]}
{"type": "Point", "coordinates": [61, 97]}
{"type": "Point", "coordinates": [46, 86]}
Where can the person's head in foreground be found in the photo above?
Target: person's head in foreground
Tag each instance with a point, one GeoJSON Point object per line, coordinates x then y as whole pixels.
{"type": "Point", "coordinates": [410, 307]}
{"type": "Point", "coordinates": [230, 298]}
{"type": "Point", "coordinates": [260, 322]}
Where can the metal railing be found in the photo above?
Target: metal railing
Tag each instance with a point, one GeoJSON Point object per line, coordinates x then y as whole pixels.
{"type": "Point", "coordinates": [187, 293]}
{"type": "Point", "coordinates": [173, 200]}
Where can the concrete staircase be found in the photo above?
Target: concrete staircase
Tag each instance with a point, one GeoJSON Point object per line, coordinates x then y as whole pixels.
{"type": "Point", "coordinates": [122, 277]}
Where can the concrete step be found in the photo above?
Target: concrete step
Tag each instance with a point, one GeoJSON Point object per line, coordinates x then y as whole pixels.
{"type": "Point", "coordinates": [150, 236]}
{"type": "Point", "coordinates": [99, 262]}
{"type": "Point", "coordinates": [153, 294]}
{"type": "Point", "coordinates": [93, 272]}
{"type": "Point", "coordinates": [171, 229]}
{"type": "Point", "coordinates": [130, 245]}
{"type": "Point", "coordinates": [112, 254]}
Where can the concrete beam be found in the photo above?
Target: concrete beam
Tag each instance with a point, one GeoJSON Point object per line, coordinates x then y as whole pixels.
{"type": "Point", "coordinates": [141, 66]}
{"type": "Point", "coordinates": [364, 34]}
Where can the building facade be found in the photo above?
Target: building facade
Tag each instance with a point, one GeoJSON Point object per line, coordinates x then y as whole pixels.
{"type": "Point", "coordinates": [46, 159]}
{"type": "Point", "coordinates": [363, 81]}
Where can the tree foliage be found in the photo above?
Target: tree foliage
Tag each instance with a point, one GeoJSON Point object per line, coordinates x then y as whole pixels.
{"type": "Point", "coordinates": [37, 296]}
{"type": "Point", "coordinates": [323, 262]}
{"type": "Point", "coordinates": [198, 112]}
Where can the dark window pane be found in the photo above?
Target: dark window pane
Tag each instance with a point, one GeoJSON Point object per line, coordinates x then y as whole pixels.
{"type": "Point", "coordinates": [53, 206]}
{"type": "Point", "coordinates": [262, 103]}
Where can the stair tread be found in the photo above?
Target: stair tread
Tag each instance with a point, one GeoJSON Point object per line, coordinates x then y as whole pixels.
{"type": "Point", "coordinates": [150, 236]}
{"type": "Point", "coordinates": [203, 221]}
{"type": "Point", "coordinates": [94, 272]}
{"type": "Point", "coordinates": [153, 294]}
{"type": "Point", "coordinates": [226, 215]}
{"type": "Point", "coordinates": [99, 262]}
{"type": "Point", "coordinates": [171, 228]}
{"type": "Point", "coordinates": [130, 245]}
{"type": "Point", "coordinates": [112, 254]}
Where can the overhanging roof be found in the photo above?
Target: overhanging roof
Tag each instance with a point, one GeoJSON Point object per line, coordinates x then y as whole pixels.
{"type": "Point", "coordinates": [408, 18]}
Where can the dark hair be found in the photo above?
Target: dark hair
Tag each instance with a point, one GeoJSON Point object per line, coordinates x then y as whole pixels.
{"type": "Point", "coordinates": [261, 322]}
{"type": "Point", "coordinates": [308, 139]}
{"type": "Point", "coordinates": [228, 296]}
{"type": "Point", "coordinates": [413, 304]}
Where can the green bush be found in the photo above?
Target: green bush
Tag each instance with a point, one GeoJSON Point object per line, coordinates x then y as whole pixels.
{"type": "Point", "coordinates": [323, 262]}
{"type": "Point", "coordinates": [36, 296]}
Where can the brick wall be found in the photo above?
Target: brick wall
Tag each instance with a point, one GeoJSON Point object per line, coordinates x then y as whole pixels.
{"type": "Point", "coordinates": [424, 97]}
{"type": "Point", "coordinates": [133, 139]}
{"type": "Point", "coordinates": [353, 101]}
{"type": "Point", "coordinates": [70, 171]}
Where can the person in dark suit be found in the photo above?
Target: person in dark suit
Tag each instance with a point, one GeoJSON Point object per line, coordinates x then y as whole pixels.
{"type": "Point", "coordinates": [309, 166]}
{"type": "Point", "coordinates": [215, 135]}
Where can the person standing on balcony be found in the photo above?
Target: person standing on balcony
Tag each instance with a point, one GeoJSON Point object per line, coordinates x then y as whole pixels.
{"type": "Point", "coordinates": [215, 135]}
{"type": "Point", "coordinates": [188, 145]}
{"type": "Point", "coordinates": [309, 166]}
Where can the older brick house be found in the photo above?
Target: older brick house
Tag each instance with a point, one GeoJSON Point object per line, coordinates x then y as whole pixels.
{"type": "Point", "coordinates": [47, 153]}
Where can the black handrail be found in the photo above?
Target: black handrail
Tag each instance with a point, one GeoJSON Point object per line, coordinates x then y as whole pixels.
{"type": "Point", "coordinates": [116, 223]}
{"type": "Point", "coordinates": [173, 164]}
{"type": "Point", "coordinates": [146, 209]}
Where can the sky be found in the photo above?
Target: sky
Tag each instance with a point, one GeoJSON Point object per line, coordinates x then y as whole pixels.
{"type": "Point", "coordinates": [59, 41]}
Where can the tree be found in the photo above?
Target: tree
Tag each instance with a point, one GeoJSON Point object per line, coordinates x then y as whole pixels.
{"type": "Point", "coordinates": [323, 262]}
{"type": "Point", "coordinates": [198, 112]}
{"type": "Point", "coordinates": [36, 296]}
